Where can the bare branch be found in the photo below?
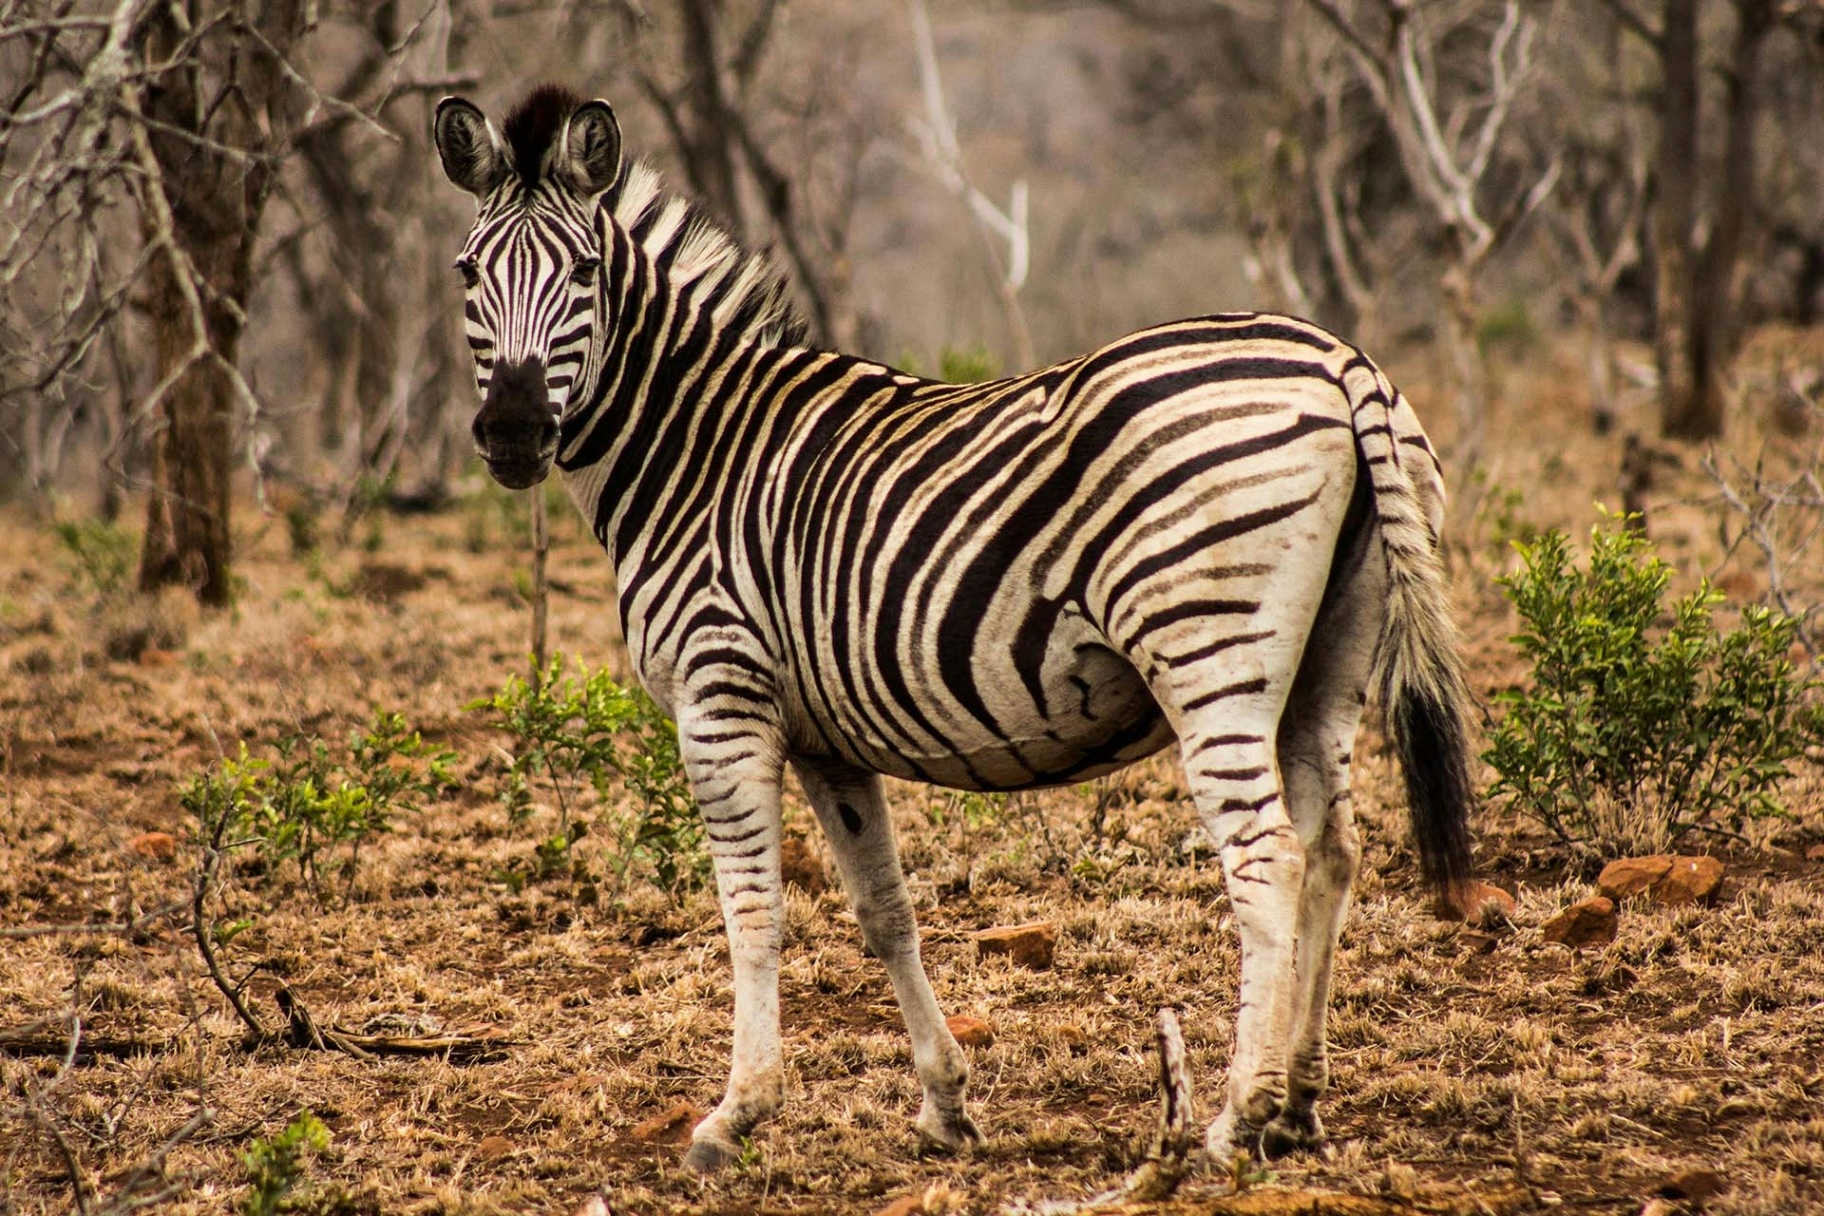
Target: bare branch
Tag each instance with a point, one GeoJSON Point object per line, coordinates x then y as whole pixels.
{"type": "Point", "coordinates": [1634, 23]}
{"type": "Point", "coordinates": [751, 46]}
{"type": "Point", "coordinates": [1335, 18]}
{"type": "Point", "coordinates": [937, 135]}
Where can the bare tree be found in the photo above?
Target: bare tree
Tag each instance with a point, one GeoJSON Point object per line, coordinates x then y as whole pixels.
{"type": "Point", "coordinates": [937, 136]}
{"type": "Point", "coordinates": [180, 110]}
{"type": "Point", "coordinates": [141, 147]}
{"type": "Point", "coordinates": [1596, 216]}
{"type": "Point", "coordinates": [1450, 140]}
{"type": "Point", "coordinates": [208, 131]}
{"type": "Point", "coordinates": [706, 101]}
{"type": "Point", "coordinates": [1704, 215]}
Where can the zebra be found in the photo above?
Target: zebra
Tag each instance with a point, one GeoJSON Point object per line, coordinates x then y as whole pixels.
{"type": "Point", "coordinates": [1220, 532]}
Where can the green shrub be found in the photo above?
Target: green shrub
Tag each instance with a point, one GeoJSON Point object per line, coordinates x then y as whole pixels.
{"type": "Point", "coordinates": [275, 1167]}
{"type": "Point", "coordinates": [101, 552]}
{"type": "Point", "coordinates": [585, 729]}
{"type": "Point", "coordinates": [309, 802]}
{"type": "Point", "coordinates": [1642, 724]}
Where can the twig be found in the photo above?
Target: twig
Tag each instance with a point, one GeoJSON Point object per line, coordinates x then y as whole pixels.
{"type": "Point", "coordinates": [199, 925]}
{"type": "Point", "coordinates": [34, 1099]}
{"type": "Point", "coordinates": [541, 588]}
{"type": "Point", "coordinates": [94, 927]}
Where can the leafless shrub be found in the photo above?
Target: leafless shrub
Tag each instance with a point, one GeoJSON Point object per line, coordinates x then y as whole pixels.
{"type": "Point", "coordinates": [1772, 511]}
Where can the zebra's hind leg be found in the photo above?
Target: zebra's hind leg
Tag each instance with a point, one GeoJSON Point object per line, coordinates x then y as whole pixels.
{"type": "Point", "coordinates": [853, 813]}
{"type": "Point", "coordinates": [1316, 740]}
{"type": "Point", "coordinates": [1232, 767]}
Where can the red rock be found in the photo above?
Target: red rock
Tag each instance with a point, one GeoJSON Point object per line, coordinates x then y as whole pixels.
{"type": "Point", "coordinates": [153, 846]}
{"type": "Point", "coordinates": [1589, 922]}
{"type": "Point", "coordinates": [672, 1125]}
{"type": "Point", "coordinates": [1633, 875]}
{"type": "Point", "coordinates": [1691, 880]}
{"type": "Point", "coordinates": [798, 863]}
{"type": "Point", "coordinates": [970, 1032]}
{"type": "Point", "coordinates": [492, 1148]}
{"type": "Point", "coordinates": [1672, 881]}
{"type": "Point", "coordinates": [1030, 945]}
{"type": "Point", "coordinates": [905, 1205]}
{"type": "Point", "coordinates": [1480, 903]}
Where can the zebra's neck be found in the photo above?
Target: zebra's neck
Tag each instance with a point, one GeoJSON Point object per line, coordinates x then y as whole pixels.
{"type": "Point", "coordinates": [684, 317]}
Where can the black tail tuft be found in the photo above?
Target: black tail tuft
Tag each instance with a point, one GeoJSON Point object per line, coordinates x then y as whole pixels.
{"type": "Point", "coordinates": [1434, 754]}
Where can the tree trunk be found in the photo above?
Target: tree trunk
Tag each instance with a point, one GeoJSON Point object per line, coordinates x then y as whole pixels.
{"type": "Point", "coordinates": [213, 144]}
{"type": "Point", "coordinates": [1719, 287]}
{"type": "Point", "coordinates": [710, 155]}
{"type": "Point", "coordinates": [1681, 407]}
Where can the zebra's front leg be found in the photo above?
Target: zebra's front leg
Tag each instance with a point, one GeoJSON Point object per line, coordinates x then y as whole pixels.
{"type": "Point", "coordinates": [734, 767]}
{"type": "Point", "coordinates": [854, 817]}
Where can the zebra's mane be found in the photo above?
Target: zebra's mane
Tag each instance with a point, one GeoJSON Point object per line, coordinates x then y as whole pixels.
{"type": "Point", "coordinates": [743, 292]}
{"type": "Point", "coordinates": [533, 125]}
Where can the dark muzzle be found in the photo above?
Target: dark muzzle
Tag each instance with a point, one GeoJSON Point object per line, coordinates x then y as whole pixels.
{"type": "Point", "coordinates": [516, 432]}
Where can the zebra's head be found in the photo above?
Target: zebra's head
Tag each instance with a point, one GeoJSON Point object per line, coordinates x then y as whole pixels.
{"type": "Point", "coordinates": [530, 263]}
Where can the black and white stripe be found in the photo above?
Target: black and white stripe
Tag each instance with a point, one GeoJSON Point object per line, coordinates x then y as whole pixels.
{"type": "Point", "coordinates": [1220, 531]}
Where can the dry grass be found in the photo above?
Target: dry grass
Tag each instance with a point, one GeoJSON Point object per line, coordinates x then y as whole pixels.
{"type": "Point", "coordinates": [1460, 1058]}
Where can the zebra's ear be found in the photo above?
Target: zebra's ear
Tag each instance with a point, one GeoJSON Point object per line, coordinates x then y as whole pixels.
{"type": "Point", "coordinates": [471, 149]}
{"type": "Point", "coordinates": [592, 147]}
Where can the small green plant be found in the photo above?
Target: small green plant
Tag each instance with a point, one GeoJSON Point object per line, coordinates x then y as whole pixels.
{"type": "Point", "coordinates": [100, 551]}
{"type": "Point", "coordinates": [584, 729]}
{"type": "Point", "coordinates": [309, 803]}
{"type": "Point", "coordinates": [1641, 723]}
{"type": "Point", "coordinates": [303, 528]}
{"type": "Point", "coordinates": [1499, 523]}
{"type": "Point", "coordinates": [275, 1166]}
{"type": "Point", "coordinates": [1506, 325]}
{"type": "Point", "coordinates": [965, 364]}
{"type": "Point", "coordinates": [976, 809]}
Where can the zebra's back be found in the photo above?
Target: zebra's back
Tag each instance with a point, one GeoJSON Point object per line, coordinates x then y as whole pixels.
{"type": "Point", "coordinates": [975, 585]}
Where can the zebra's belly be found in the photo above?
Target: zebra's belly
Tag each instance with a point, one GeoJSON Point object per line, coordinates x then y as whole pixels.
{"type": "Point", "coordinates": [1096, 715]}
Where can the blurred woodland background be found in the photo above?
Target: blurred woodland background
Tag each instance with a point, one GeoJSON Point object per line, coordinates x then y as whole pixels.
{"type": "Point", "coordinates": [225, 242]}
{"type": "Point", "coordinates": [1586, 237]}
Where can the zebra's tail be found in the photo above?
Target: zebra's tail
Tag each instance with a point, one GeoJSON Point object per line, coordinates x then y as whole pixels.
{"type": "Point", "coordinates": [1417, 669]}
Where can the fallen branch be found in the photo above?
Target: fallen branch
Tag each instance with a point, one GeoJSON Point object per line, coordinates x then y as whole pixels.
{"type": "Point", "coordinates": [36, 1039]}
{"type": "Point", "coordinates": [302, 1030]}
{"type": "Point", "coordinates": [131, 927]}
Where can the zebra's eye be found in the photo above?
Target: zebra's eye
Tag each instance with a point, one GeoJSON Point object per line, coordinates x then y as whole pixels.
{"type": "Point", "coordinates": [583, 273]}
{"type": "Point", "coordinates": [471, 273]}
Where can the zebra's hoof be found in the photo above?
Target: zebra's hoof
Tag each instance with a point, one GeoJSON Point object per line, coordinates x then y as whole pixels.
{"type": "Point", "coordinates": [1231, 1134]}
{"type": "Point", "coordinates": [949, 1130]}
{"type": "Point", "coordinates": [708, 1155]}
{"type": "Point", "coordinates": [1292, 1132]}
